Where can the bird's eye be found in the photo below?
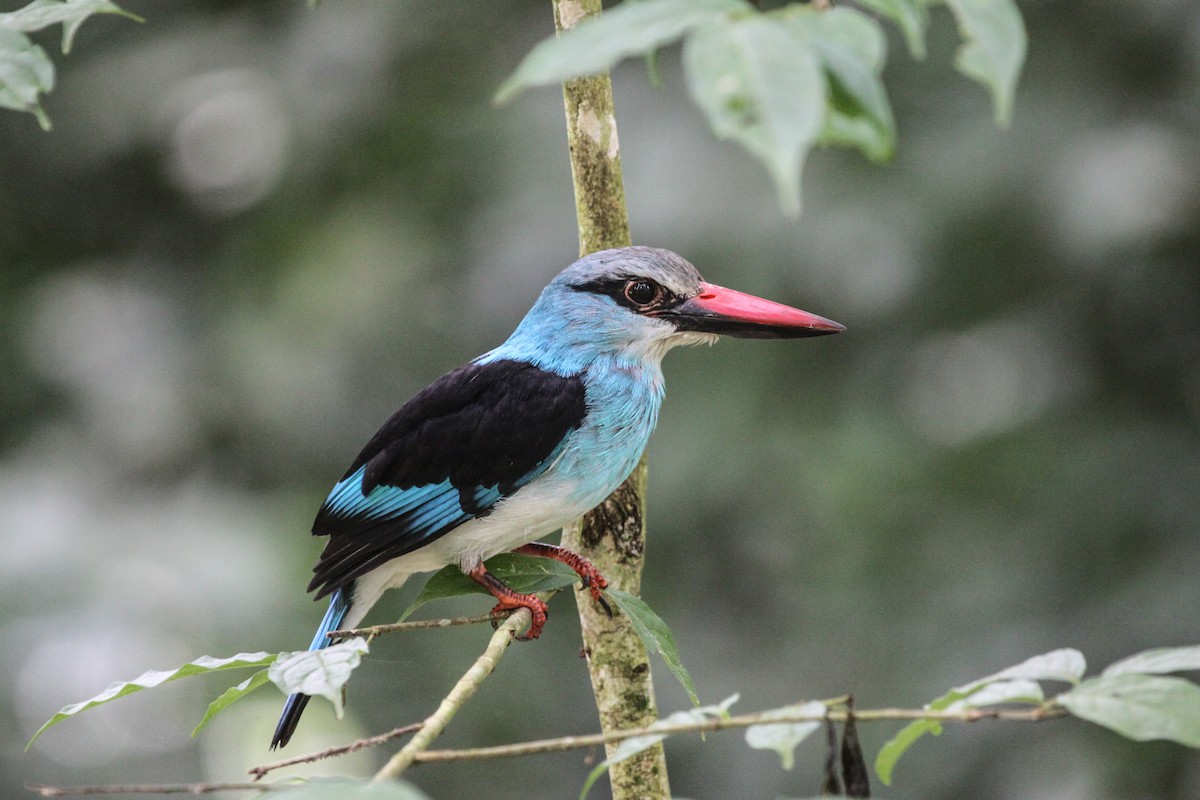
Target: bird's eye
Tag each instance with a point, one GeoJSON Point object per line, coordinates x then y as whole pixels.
{"type": "Point", "coordinates": [642, 292]}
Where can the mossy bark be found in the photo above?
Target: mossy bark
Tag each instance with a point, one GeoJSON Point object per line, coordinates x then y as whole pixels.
{"type": "Point", "coordinates": [613, 536]}
{"type": "Point", "coordinates": [595, 149]}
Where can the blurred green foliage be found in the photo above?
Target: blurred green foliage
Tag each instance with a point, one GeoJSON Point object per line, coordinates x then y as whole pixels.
{"type": "Point", "coordinates": [258, 227]}
{"type": "Point", "coordinates": [780, 81]}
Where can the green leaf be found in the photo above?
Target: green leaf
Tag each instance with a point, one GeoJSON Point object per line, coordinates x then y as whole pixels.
{"type": "Point", "coordinates": [784, 737]}
{"type": "Point", "coordinates": [344, 789]}
{"type": "Point", "coordinates": [895, 747]}
{"type": "Point", "coordinates": [636, 744]}
{"type": "Point", "coordinates": [852, 51]}
{"type": "Point", "coordinates": [596, 44]}
{"type": "Point", "coordinates": [910, 17]}
{"type": "Point", "coordinates": [993, 48]}
{"type": "Point", "coordinates": [1140, 707]}
{"type": "Point", "coordinates": [656, 636]}
{"type": "Point", "coordinates": [761, 85]}
{"type": "Point", "coordinates": [521, 573]}
{"type": "Point", "coordinates": [997, 692]}
{"type": "Point", "coordinates": [1066, 665]}
{"type": "Point", "coordinates": [71, 13]}
{"type": "Point", "coordinates": [319, 672]}
{"type": "Point", "coordinates": [1158, 661]}
{"type": "Point", "coordinates": [1012, 685]}
{"type": "Point", "coordinates": [25, 69]}
{"type": "Point", "coordinates": [907, 736]}
{"type": "Point", "coordinates": [989, 691]}
{"type": "Point", "coordinates": [230, 696]}
{"type": "Point", "coordinates": [152, 678]}
{"type": "Point", "coordinates": [25, 72]}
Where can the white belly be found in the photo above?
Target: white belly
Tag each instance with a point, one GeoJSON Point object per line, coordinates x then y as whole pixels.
{"type": "Point", "coordinates": [598, 456]}
{"type": "Point", "coordinates": [533, 511]}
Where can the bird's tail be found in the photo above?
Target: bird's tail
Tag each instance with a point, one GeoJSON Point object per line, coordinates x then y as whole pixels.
{"type": "Point", "coordinates": [339, 607]}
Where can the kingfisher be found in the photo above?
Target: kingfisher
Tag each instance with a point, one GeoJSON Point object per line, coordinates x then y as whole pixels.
{"type": "Point", "coordinates": [525, 438]}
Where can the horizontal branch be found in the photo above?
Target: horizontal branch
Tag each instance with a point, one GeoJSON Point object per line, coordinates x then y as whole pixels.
{"type": "Point", "coordinates": [340, 750]}
{"type": "Point", "coordinates": [743, 721]}
{"type": "Point", "coordinates": [964, 715]}
{"type": "Point", "coordinates": [153, 788]}
{"type": "Point", "coordinates": [420, 625]}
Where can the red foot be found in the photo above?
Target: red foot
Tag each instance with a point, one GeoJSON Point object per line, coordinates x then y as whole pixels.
{"type": "Point", "coordinates": [510, 599]}
{"type": "Point", "coordinates": [591, 577]}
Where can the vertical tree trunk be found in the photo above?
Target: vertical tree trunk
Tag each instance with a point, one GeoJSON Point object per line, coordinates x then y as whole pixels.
{"type": "Point", "coordinates": [613, 535]}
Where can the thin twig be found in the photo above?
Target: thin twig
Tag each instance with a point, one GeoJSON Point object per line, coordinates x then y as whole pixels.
{"type": "Point", "coordinates": [743, 721]}
{"type": "Point", "coordinates": [163, 788]}
{"type": "Point", "coordinates": [340, 750]}
{"type": "Point", "coordinates": [462, 691]}
{"type": "Point", "coordinates": [418, 625]}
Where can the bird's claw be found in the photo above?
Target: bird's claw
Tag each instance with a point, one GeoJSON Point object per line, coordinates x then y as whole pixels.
{"type": "Point", "coordinates": [599, 598]}
{"type": "Point", "coordinates": [538, 611]}
{"type": "Point", "coordinates": [595, 583]}
{"type": "Point", "coordinates": [588, 574]}
{"type": "Point", "coordinates": [511, 600]}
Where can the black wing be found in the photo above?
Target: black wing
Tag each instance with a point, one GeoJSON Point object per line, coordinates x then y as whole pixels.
{"type": "Point", "coordinates": [469, 439]}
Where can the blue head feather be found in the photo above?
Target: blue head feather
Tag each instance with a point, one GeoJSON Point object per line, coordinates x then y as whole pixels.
{"type": "Point", "coordinates": [567, 330]}
{"type": "Point", "coordinates": [571, 331]}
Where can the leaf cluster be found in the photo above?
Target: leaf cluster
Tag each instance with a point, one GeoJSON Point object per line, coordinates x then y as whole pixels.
{"type": "Point", "coordinates": [326, 672]}
{"type": "Point", "coordinates": [26, 72]}
{"type": "Point", "coordinates": [1134, 697]}
{"type": "Point", "coordinates": [783, 81]}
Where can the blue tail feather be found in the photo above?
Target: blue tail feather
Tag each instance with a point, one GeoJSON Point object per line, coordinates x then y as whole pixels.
{"type": "Point", "coordinates": [339, 607]}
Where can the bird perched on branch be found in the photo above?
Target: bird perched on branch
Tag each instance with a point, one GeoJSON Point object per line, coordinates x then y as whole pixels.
{"type": "Point", "coordinates": [526, 437]}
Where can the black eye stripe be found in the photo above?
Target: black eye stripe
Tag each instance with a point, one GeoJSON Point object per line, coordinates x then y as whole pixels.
{"type": "Point", "coordinates": [627, 292]}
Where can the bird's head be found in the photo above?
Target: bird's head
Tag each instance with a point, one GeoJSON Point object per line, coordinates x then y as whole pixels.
{"type": "Point", "coordinates": [639, 302]}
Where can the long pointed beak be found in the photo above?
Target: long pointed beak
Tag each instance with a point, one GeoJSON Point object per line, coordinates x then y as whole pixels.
{"type": "Point", "coordinates": [732, 313]}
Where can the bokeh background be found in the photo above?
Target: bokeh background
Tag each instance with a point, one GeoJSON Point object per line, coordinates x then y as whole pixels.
{"type": "Point", "coordinates": [258, 227]}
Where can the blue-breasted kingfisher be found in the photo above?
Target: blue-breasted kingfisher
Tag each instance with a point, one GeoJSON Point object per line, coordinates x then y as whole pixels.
{"type": "Point", "coordinates": [526, 437]}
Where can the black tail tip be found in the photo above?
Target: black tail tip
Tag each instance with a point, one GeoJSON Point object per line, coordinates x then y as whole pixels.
{"type": "Point", "coordinates": [288, 721]}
